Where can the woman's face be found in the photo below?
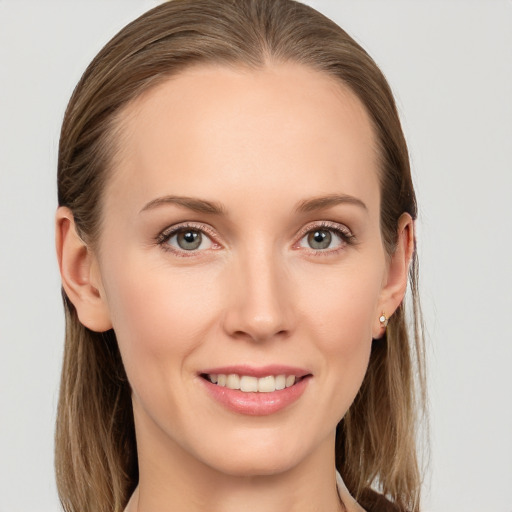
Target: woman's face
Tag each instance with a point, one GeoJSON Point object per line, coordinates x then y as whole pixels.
{"type": "Point", "coordinates": [241, 237]}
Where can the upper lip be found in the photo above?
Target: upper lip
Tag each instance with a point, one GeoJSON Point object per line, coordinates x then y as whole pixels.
{"type": "Point", "coordinates": [257, 371]}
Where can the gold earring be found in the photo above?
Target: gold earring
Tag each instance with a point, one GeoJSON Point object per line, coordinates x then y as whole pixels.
{"type": "Point", "coordinates": [383, 319]}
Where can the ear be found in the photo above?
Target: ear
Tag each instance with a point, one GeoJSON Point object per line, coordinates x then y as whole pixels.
{"type": "Point", "coordinates": [80, 275]}
{"type": "Point", "coordinates": [397, 274]}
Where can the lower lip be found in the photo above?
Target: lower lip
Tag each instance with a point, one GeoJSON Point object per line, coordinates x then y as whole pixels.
{"type": "Point", "coordinates": [256, 404]}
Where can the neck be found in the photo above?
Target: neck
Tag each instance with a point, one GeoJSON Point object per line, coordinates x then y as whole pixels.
{"type": "Point", "coordinates": [170, 478]}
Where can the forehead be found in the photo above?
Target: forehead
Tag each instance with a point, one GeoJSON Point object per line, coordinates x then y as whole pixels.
{"type": "Point", "coordinates": [214, 130]}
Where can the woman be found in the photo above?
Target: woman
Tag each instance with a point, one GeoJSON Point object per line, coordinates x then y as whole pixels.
{"type": "Point", "coordinates": [235, 234]}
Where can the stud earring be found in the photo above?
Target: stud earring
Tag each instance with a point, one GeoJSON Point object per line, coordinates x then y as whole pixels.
{"type": "Point", "coordinates": [383, 319]}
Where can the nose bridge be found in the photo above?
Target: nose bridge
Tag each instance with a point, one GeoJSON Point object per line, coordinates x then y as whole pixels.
{"type": "Point", "coordinates": [260, 306]}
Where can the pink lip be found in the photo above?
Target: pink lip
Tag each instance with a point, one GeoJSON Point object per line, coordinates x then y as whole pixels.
{"type": "Point", "coordinates": [261, 371]}
{"type": "Point", "coordinates": [257, 404]}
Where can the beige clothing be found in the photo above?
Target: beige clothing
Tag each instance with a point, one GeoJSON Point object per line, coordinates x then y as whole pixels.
{"type": "Point", "coordinates": [350, 503]}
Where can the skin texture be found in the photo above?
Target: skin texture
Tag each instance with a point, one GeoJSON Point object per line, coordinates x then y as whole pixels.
{"type": "Point", "coordinates": [258, 144]}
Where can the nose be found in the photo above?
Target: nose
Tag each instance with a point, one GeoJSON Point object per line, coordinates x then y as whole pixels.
{"type": "Point", "coordinates": [260, 303]}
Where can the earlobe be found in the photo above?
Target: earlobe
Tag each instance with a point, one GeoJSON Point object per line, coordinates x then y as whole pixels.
{"type": "Point", "coordinates": [397, 276]}
{"type": "Point", "coordinates": [79, 273]}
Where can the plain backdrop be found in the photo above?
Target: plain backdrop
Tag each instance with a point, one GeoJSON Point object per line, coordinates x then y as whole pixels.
{"type": "Point", "coordinates": [450, 65]}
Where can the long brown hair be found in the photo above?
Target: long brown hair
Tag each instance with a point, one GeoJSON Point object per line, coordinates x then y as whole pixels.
{"type": "Point", "coordinates": [96, 453]}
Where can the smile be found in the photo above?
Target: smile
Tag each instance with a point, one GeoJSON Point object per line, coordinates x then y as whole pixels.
{"type": "Point", "coordinates": [255, 391]}
{"type": "Point", "coordinates": [250, 384]}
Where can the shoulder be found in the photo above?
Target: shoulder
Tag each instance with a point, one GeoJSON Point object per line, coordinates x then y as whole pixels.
{"type": "Point", "coordinates": [372, 501]}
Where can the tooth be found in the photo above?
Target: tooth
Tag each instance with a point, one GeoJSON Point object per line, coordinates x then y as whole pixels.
{"type": "Point", "coordinates": [290, 380]}
{"type": "Point", "coordinates": [233, 381]}
{"type": "Point", "coordinates": [251, 384]}
{"type": "Point", "coordinates": [248, 384]}
{"type": "Point", "coordinates": [267, 384]}
{"type": "Point", "coordinates": [280, 382]}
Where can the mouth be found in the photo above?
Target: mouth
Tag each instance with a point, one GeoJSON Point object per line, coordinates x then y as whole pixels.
{"type": "Point", "coordinates": [252, 384]}
{"type": "Point", "coordinates": [255, 391]}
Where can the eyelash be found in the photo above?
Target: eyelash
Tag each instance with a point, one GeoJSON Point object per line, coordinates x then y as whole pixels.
{"type": "Point", "coordinates": [341, 231]}
{"type": "Point", "coordinates": [168, 233]}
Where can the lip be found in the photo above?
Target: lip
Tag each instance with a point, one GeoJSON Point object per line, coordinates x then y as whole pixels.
{"type": "Point", "coordinates": [259, 372]}
{"type": "Point", "coordinates": [257, 404]}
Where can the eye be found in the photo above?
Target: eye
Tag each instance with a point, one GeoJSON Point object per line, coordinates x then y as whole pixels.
{"type": "Point", "coordinates": [189, 240]}
{"type": "Point", "coordinates": [185, 239]}
{"type": "Point", "coordinates": [319, 239]}
{"type": "Point", "coordinates": [326, 237]}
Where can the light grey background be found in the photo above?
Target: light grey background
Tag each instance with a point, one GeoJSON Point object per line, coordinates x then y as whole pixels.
{"type": "Point", "coordinates": [450, 65]}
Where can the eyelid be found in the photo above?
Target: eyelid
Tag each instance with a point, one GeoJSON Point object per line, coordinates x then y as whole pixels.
{"type": "Point", "coordinates": [170, 231]}
{"type": "Point", "coordinates": [340, 229]}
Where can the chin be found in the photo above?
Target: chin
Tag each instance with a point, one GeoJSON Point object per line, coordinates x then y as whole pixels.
{"type": "Point", "coordinates": [255, 466]}
{"type": "Point", "coordinates": [257, 457]}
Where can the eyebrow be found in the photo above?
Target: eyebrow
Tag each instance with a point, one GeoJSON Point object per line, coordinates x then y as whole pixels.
{"type": "Point", "coordinates": [320, 203]}
{"type": "Point", "coordinates": [192, 203]}
{"type": "Point", "coordinates": [215, 208]}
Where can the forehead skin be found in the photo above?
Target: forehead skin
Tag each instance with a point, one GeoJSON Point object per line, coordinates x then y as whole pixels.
{"type": "Point", "coordinates": [219, 131]}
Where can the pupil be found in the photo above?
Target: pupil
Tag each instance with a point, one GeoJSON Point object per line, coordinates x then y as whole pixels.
{"type": "Point", "coordinates": [319, 239]}
{"type": "Point", "coordinates": [189, 240]}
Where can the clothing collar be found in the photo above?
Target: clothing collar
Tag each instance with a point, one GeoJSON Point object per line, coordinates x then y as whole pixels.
{"type": "Point", "coordinates": [346, 498]}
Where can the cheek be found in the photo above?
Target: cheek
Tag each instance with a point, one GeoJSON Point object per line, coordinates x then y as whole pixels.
{"type": "Point", "coordinates": [340, 320]}
{"type": "Point", "coordinates": [157, 313]}
{"type": "Point", "coordinates": [345, 335]}
{"type": "Point", "coordinates": [344, 310]}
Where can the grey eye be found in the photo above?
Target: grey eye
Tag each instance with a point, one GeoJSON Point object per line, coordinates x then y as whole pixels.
{"type": "Point", "coordinates": [319, 239]}
{"type": "Point", "coordinates": [189, 240]}
{"type": "Point", "coordinates": [326, 238]}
